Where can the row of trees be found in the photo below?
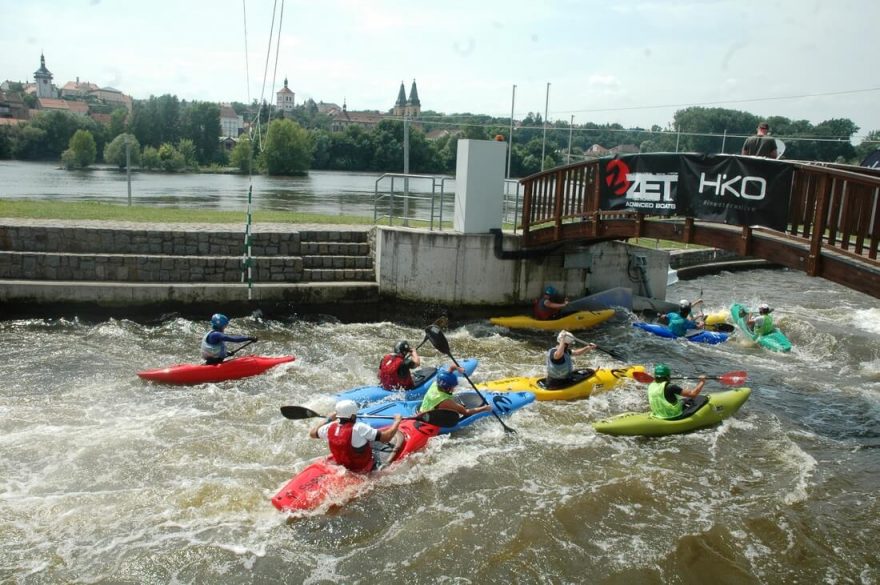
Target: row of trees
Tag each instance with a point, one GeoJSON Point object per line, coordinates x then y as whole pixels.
{"type": "Point", "coordinates": [168, 134]}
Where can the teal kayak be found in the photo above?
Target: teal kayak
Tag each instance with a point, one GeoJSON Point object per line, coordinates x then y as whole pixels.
{"type": "Point", "coordinates": [774, 341]}
{"type": "Point", "coordinates": [716, 408]}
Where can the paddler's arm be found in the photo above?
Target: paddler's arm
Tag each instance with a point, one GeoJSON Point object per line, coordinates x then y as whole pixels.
{"type": "Point", "coordinates": [386, 435]}
{"type": "Point", "coordinates": [696, 389]}
{"type": "Point", "coordinates": [313, 433]}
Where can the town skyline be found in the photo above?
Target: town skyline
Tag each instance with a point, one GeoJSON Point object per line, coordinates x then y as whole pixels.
{"type": "Point", "coordinates": [632, 63]}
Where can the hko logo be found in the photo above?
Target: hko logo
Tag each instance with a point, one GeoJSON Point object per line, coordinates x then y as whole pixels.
{"type": "Point", "coordinates": [747, 187]}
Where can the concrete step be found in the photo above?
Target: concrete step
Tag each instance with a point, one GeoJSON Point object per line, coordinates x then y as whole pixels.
{"type": "Point", "coordinates": [166, 269]}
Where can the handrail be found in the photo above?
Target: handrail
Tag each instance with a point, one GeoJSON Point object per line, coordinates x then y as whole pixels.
{"type": "Point", "coordinates": [407, 197]}
{"type": "Point", "coordinates": [830, 208]}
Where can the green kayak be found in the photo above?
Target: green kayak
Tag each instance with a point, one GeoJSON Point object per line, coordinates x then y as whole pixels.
{"type": "Point", "coordinates": [774, 341]}
{"type": "Point", "coordinates": [719, 406]}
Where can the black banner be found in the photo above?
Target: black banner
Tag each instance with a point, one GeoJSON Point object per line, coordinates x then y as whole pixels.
{"type": "Point", "coordinates": [721, 188]}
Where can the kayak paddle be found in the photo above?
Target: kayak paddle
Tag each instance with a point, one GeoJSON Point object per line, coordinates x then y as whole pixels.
{"type": "Point", "coordinates": [614, 354]}
{"type": "Point", "coordinates": [438, 340]}
{"type": "Point", "coordinates": [440, 323]}
{"type": "Point", "coordinates": [240, 347]}
{"type": "Point", "coordinates": [729, 379]}
{"type": "Point", "coordinates": [440, 417]}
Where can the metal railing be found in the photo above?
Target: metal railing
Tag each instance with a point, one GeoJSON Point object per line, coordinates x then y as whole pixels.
{"type": "Point", "coordinates": [405, 205]}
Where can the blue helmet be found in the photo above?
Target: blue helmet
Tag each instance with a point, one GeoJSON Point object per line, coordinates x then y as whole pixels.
{"type": "Point", "coordinates": [550, 291]}
{"type": "Point", "coordinates": [447, 380]}
{"type": "Point", "coordinates": [219, 321]}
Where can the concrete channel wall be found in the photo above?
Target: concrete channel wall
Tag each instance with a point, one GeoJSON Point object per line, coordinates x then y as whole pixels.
{"type": "Point", "coordinates": [111, 264]}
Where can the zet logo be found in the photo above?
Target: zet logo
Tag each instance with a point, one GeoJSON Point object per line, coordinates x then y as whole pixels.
{"type": "Point", "coordinates": [615, 176]}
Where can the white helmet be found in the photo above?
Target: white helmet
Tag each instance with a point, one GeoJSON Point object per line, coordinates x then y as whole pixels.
{"type": "Point", "coordinates": [346, 408]}
{"type": "Point", "coordinates": [565, 337]}
{"type": "Point", "coordinates": [764, 308]}
{"type": "Point", "coordinates": [684, 304]}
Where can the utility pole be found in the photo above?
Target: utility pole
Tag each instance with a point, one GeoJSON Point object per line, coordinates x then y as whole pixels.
{"type": "Point", "coordinates": [570, 131]}
{"type": "Point", "coordinates": [128, 167]}
{"type": "Point", "coordinates": [510, 138]}
{"type": "Point", "coordinates": [544, 140]}
{"type": "Point", "coordinates": [405, 169]}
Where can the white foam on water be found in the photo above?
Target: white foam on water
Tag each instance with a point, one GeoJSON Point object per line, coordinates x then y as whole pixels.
{"type": "Point", "coordinates": [866, 319]}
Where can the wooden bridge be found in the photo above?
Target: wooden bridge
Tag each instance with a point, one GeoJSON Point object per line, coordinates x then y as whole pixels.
{"type": "Point", "coordinates": [833, 221]}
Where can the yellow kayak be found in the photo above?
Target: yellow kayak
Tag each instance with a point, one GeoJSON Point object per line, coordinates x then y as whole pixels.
{"type": "Point", "coordinates": [590, 382]}
{"type": "Point", "coordinates": [718, 322]}
{"type": "Point", "coordinates": [573, 322]}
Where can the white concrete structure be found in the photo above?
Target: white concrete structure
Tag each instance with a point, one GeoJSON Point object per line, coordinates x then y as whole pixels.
{"type": "Point", "coordinates": [455, 269]}
{"type": "Point", "coordinates": [479, 185]}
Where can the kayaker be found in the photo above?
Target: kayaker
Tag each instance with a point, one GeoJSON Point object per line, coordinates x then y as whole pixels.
{"type": "Point", "coordinates": [214, 342]}
{"type": "Point", "coordinates": [762, 323]}
{"type": "Point", "coordinates": [395, 369]}
{"type": "Point", "coordinates": [439, 395]}
{"type": "Point", "coordinates": [351, 441]}
{"type": "Point", "coordinates": [679, 322]}
{"type": "Point", "coordinates": [559, 365]}
{"type": "Point", "coordinates": [669, 400]}
{"type": "Point", "coordinates": [548, 305]}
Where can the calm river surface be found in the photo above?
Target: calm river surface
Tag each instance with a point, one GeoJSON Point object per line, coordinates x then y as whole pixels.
{"type": "Point", "coordinates": [324, 192]}
{"type": "Point", "coordinates": [107, 479]}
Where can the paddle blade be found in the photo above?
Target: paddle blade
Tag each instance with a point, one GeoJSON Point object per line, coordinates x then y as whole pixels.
{"type": "Point", "coordinates": [613, 353]}
{"type": "Point", "coordinates": [440, 417]}
{"type": "Point", "coordinates": [437, 339]}
{"type": "Point", "coordinates": [298, 412]}
{"type": "Point", "coordinates": [733, 378]}
{"type": "Point", "coordinates": [643, 377]}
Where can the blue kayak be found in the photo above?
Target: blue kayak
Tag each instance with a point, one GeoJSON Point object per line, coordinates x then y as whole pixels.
{"type": "Point", "coordinates": [502, 403]}
{"type": "Point", "coordinates": [423, 377]}
{"type": "Point", "coordinates": [697, 336]}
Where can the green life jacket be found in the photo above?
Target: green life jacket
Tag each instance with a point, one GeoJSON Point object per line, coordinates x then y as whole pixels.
{"type": "Point", "coordinates": [766, 326]}
{"type": "Point", "coordinates": [433, 397]}
{"type": "Point", "coordinates": [660, 407]}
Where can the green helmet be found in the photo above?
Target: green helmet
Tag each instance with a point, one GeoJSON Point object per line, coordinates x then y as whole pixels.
{"type": "Point", "coordinates": [662, 371]}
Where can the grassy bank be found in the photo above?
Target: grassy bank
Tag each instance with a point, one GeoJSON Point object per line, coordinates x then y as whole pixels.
{"type": "Point", "coordinates": [137, 213]}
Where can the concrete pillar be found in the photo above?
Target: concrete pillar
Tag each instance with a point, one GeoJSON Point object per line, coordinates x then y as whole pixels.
{"type": "Point", "coordinates": [479, 185]}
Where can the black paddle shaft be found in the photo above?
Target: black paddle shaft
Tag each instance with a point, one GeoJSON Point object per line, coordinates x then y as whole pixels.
{"type": "Point", "coordinates": [438, 340]}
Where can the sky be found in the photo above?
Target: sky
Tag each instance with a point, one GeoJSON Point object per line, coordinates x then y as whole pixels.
{"type": "Point", "coordinates": [630, 62]}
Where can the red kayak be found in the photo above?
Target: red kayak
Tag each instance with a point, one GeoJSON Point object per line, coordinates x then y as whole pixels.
{"type": "Point", "coordinates": [233, 369]}
{"type": "Point", "coordinates": [324, 480]}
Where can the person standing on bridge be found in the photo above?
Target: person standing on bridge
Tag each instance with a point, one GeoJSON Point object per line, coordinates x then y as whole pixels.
{"type": "Point", "coordinates": [761, 144]}
{"type": "Point", "coordinates": [548, 305]}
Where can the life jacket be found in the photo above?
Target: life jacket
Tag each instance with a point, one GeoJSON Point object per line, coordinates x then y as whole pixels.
{"type": "Point", "coordinates": [389, 373]}
{"type": "Point", "coordinates": [212, 350]}
{"type": "Point", "coordinates": [763, 325]}
{"type": "Point", "coordinates": [660, 407]}
{"type": "Point", "coordinates": [541, 311]}
{"type": "Point", "coordinates": [434, 396]}
{"type": "Point", "coordinates": [359, 459]}
{"type": "Point", "coordinates": [559, 371]}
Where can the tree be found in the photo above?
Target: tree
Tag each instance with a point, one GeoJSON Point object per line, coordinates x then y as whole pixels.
{"type": "Point", "coordinates": [187, 150]}
{"type": "Point", "coordinates": [150, 158]}
{"type": "Point", "coordinates": [241, 156]}
{"type": "Point", "coordinates": [287, 149]}
{"type": "Point", "coordinates": [114, 153]}
{"type": "Point", "coordinates": [170, 159]}
{"type": "Point", "coordinates": [200, 122]}
{"type": "Point", "coordinates": [82, 151]}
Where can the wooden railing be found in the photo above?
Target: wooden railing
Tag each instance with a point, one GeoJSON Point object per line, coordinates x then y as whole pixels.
{"type": "Point", "coordinates": [832, 209]}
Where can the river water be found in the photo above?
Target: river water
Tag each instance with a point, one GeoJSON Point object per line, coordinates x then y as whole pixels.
{"type": "Point", "coordinates": [108, 479]}
{"type": "Point", "coordinates": [320, 192]}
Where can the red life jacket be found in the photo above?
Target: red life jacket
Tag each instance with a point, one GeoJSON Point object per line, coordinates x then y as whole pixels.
{"type": "Point", "coordinates": [389, 373]}
{"type": "Point", "coordinates": [339, 437]}
{"type": "Point", "coordinates": [541, 311]}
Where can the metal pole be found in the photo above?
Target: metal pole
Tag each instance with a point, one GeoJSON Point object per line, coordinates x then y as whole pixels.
{"type": "Point", "coordinates": [128, 167]}
{"type": "Point", "coordinates": [677, 137]}
{"type": "Point", "coordinates": [723, 140]}
{"type": "Point", "coordinates": [406, 170]}
{"type": "Point", "coordinates": [510, 138]}
{"type": "Point", "coordinates": [570, 131]}
{"type": "Point", "coordinates": [544, 140]}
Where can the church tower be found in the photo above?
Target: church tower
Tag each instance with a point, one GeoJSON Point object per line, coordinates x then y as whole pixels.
{"type": "Point", "coordinates": [43, 79]}
{"type": "Point", "coordinates": [399, 110]}
{"type": "Point", "coordinates": [285, 98]}
{"type": "Point", "coordinates": [413, 105]}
